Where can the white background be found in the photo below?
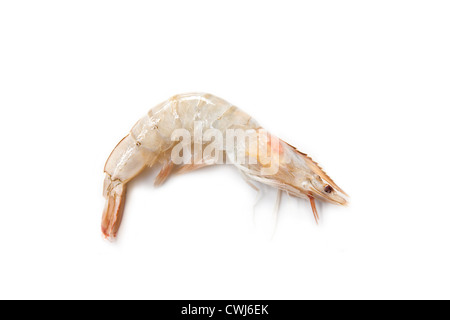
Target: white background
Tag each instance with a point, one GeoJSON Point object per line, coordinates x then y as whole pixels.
{"type": "Point", "coordinates": [361, 86]}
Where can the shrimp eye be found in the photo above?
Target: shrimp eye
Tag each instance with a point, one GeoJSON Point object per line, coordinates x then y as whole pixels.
{"type": "Point", "coordinates": [328, 189]}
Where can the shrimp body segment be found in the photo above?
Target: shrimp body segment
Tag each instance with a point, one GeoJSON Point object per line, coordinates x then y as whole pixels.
{"type": "Point", "coordinates": [151, 142]}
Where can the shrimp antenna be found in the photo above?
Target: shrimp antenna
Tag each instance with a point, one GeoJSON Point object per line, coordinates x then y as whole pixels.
{"type": "Point", "coordinates": [276, 211]}
{"type": "Point", "coordinates": [314, 209]}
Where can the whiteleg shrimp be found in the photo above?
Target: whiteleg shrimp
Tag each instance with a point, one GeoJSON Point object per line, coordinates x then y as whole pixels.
{"type": "Point", "coordinates": [150, 142]}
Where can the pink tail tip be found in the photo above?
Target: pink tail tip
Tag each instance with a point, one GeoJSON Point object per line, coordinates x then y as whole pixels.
{"type": "Point", "coordinates": [113, 212]}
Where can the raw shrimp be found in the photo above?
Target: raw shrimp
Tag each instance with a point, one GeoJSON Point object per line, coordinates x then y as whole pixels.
{"type": "Point", "coordinates": [151, 142]}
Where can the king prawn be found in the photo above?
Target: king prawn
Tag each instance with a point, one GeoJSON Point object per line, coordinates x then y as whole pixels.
{"type": "Point", "coordinates": [161, 137]}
